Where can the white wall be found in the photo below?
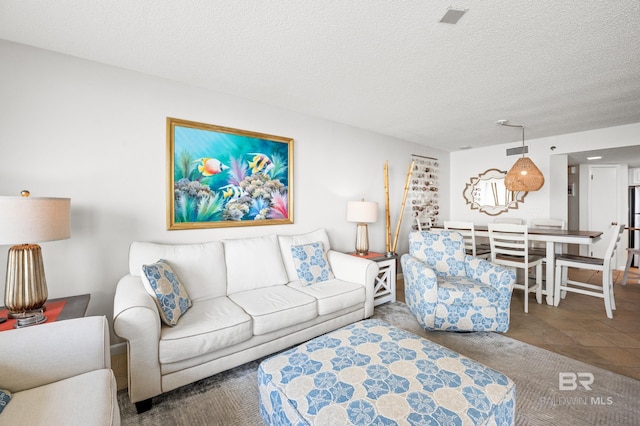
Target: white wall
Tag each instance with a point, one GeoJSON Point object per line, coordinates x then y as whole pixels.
{"type": "Point", "coordinates": [95, 133]}
{"type": "Point", "coordinates": [543, 203]}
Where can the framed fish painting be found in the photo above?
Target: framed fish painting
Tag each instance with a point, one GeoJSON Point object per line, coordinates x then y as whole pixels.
{"type": "Point", "coordinates": [224, 177]}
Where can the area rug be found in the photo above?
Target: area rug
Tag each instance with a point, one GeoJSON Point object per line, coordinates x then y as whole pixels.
{"type": "Point", "coordinates": [551, 389]}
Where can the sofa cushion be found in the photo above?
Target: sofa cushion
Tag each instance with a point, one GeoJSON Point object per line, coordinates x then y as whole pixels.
{"type": "Point", "coordinates": [168, 292]}
{"type": "Point", "coordinates": [311, 263]}
{"type": "Point", "coordinates": [275, 308]}
{"type": "Point", "coordinates": [201, 267]}
{"type": "Point", "coordinates": [286, 241]}
{"type": "Point", "coordinates": [333, 295]}
{"type": "Point", "coordinates": [253, 263]}
{"type": "Point", "coordinates": [86, 399]}
{"type": "Point", "coordinates": [208, 326]}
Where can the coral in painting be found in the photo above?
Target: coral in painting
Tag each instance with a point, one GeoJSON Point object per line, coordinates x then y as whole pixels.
{"type": "Point", "coordinates": [255, 199]}
{"type": "Point", "coordinates": [226, 177]}
{"type": "Point", "coordinates": [279, 206]}
{"type": "Point", "coordinates": [195, 202]}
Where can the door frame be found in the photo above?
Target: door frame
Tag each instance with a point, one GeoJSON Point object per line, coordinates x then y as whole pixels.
{"type": "Point", "coordinates": [622, 180]}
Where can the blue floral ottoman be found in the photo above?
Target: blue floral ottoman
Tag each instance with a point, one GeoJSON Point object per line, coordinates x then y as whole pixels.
{"type": "Point", "coordinates": [371, 373]}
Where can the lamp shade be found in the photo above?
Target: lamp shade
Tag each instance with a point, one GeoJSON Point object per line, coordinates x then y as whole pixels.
{"type": "Point", "coordinates": [524, 176]}
{"type": "Point", "coordinates": [362, 211]}
{"type": "Point", "coordinates": [34, 219]}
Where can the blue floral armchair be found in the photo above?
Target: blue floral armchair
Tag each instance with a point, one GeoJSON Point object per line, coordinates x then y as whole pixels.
{"type": "Point", "coordinates": [449, 290]}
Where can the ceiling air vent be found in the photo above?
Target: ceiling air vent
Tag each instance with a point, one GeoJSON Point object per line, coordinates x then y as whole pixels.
{"type": "Point", "coordinates": [452, 16]}
{"type": "Point", "coordinates": [518, 150]}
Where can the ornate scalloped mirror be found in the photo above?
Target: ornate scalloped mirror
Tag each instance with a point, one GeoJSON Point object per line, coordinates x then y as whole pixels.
{"type": "Point", "coordinates": [487, 193]}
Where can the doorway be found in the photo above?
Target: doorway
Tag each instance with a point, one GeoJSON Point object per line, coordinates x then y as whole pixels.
{"type": "Point", "coordinates": [602, 205]}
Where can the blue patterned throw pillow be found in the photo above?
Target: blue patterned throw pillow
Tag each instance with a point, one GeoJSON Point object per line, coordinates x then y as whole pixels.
{"type": "Point", "coordinates": [311, 263]}
{"type": "Point", "coordinates": [170, 295]}
{"type": "Point", "coordinates": [5, 397]}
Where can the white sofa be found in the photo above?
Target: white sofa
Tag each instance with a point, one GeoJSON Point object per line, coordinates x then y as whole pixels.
{"type": "Point", "coordinates": [247, 303]}
{"type": "Point", "coordinates": [59, 374]}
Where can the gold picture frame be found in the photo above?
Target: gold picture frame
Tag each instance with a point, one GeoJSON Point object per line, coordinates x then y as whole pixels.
{"type": "Point", "coordinates": [223, 177]}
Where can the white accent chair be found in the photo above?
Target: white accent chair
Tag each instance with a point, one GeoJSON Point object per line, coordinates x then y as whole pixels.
{"type": "Point", "coordinates": [468, 232]}
{"type": "Point", "coordinates": [59, 373]}
{"type": "Point", "coordinates": [603, 291]}
{"type": "Point", "coordinates": [510, 247]}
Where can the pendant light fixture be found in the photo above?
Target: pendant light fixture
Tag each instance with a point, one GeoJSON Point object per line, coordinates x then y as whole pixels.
{"type": "Point", "coordinates": [524, 175]}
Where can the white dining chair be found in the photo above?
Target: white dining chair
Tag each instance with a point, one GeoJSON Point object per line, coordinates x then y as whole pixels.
{"type": "Point", "coordinates": [419, 226]}
{"type": "Point", "coordinates": [467, 229]}
{"type": "Point", "coordinates": [603, 291]}
{"type": "Point", "coordinates": [549, 223]}
{"type": "Point", "coordinates": [511, 220]}
{"type": "Point", "coordinates": [510, 247]}
{"type": "Point", "coordinates": [539, 248]}
{"type": "Point", "coordinates": [627, 269]}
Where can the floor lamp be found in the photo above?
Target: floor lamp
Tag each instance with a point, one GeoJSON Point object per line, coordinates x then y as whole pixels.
{"type": "Point", "coordinates": [25, 221]}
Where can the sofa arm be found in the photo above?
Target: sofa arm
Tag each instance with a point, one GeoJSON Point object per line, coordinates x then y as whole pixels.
{"type": "Point", "coordinates": [356, 270]}
{"type": "Point", "coordinates": [50, 352]}
{"type": "Point", "coordinates": [136, 319]}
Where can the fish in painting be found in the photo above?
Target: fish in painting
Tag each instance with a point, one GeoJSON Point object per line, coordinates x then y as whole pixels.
{"type": "Point", "coordinates": [260, 162]}
{"type": "Point", "coordinates": [232, 191]}
{"type": "Point", "coordinates": [210, 166]}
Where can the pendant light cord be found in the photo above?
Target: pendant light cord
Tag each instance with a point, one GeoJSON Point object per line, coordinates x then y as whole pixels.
{"type": "Point", "coordinates": [515, 125]}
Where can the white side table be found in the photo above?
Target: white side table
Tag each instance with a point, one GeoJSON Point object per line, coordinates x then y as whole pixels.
{"type": "Point", "coordinates": [385, 283]}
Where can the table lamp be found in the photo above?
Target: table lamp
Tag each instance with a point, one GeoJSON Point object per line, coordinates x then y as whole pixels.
{"type": "Point", "coordinates": [362, 212]}
{"type": "Point", "coordinates": [25, 221]}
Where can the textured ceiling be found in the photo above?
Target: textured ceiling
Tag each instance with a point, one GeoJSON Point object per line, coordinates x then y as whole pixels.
{"type": "Point", "coordinates": [386, 66]}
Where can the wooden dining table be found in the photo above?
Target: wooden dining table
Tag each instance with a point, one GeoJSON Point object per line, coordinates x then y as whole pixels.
{"type": "Point", "coordinates": [554, 238]}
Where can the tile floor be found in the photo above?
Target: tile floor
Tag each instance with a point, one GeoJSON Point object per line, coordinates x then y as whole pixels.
{"type": "Point", "coordinates": [579, 327]}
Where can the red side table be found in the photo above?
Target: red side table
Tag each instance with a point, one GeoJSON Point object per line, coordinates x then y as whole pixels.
{"type": "Point", "coordinates": [60, 309]}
